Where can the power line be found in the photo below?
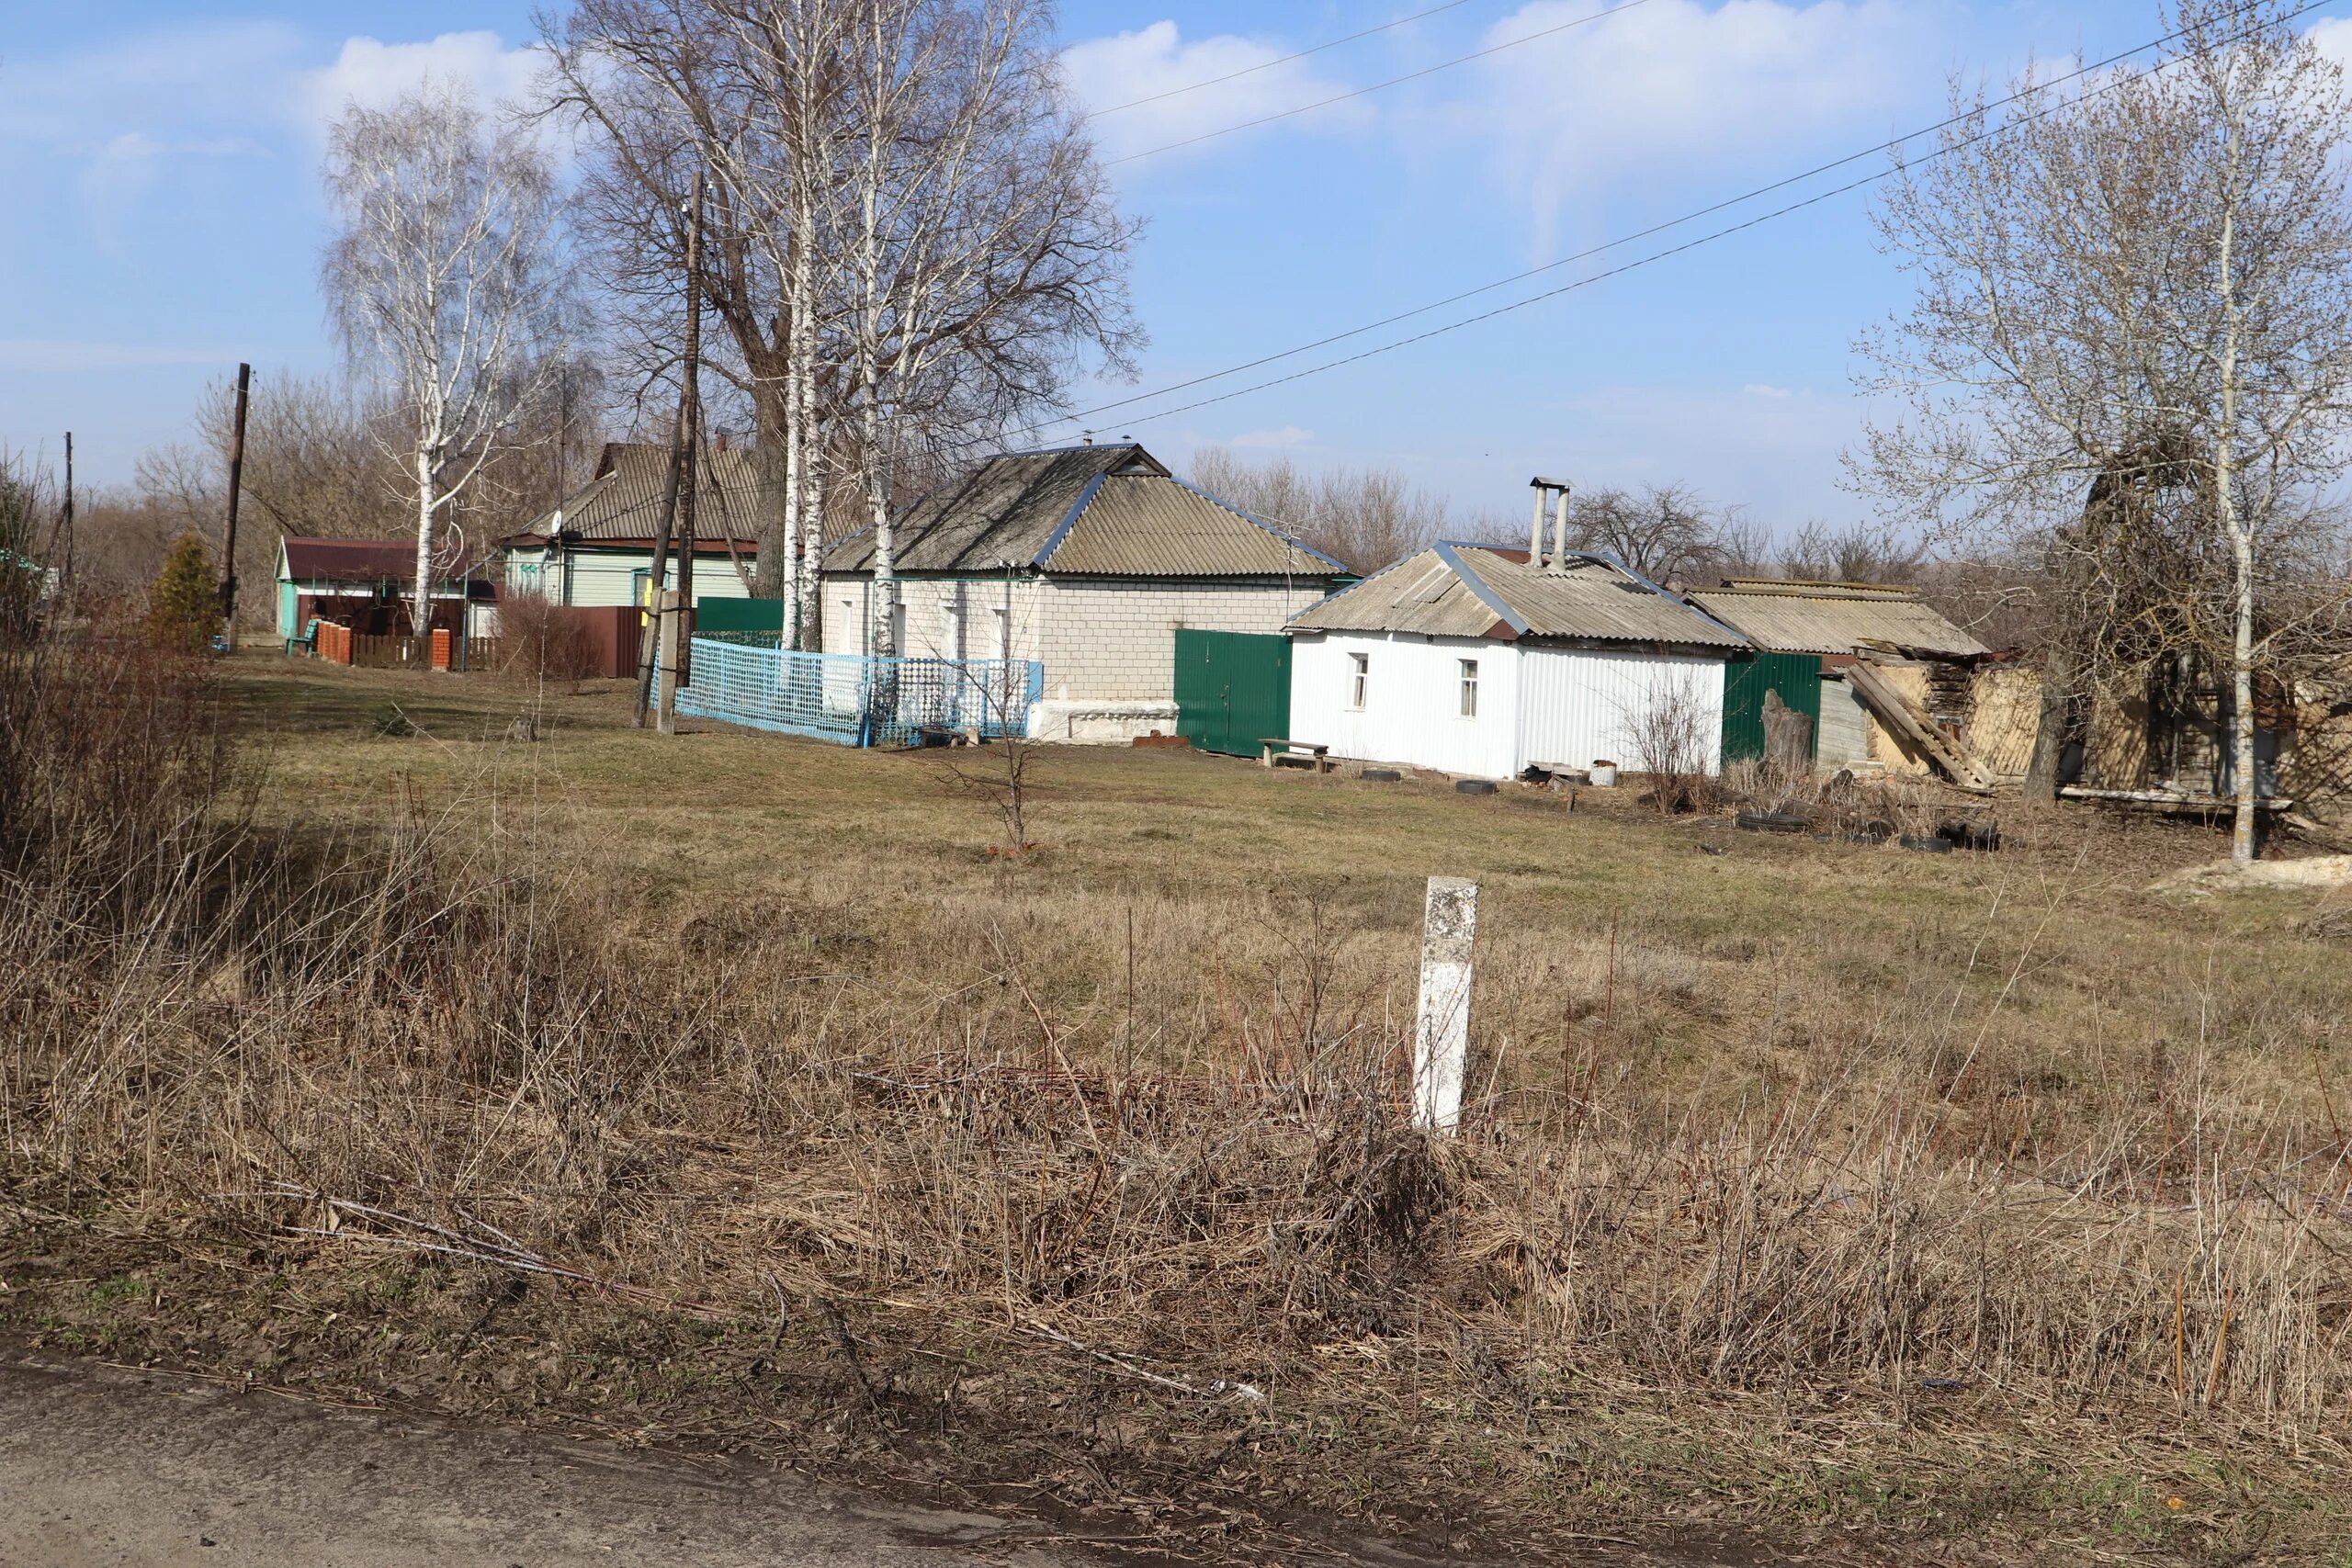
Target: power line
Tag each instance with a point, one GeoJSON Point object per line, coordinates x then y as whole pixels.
{"type": "Point", "coordinates": [1885, 147]}
{"type": "Point", "coordinates": [1378, 86]}
{"type": "Point", "coordinates": [1270, 64]}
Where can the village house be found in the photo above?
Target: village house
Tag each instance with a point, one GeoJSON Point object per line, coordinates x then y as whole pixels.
{"type": "Point", "coordinates": [1485, 661]}
{"type": "Point", "coordinates": [370, 587]}
{"type": "Point", "coordinates": [1088, 559]}
{"type": "Point", "coordinates": [596, 547]}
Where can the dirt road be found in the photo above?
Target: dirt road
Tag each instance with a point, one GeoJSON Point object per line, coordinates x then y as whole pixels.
{"type": "Point", "coordinates": [101, 1469]}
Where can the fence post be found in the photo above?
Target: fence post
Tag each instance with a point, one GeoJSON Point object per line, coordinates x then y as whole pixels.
{"type": "Point", "coordinates": [1442, 1040]}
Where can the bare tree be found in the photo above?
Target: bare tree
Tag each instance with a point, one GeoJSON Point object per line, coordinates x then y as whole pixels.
{"type": "Point", "coordinates": [981, 255]}
{"type": "Point", "coordinates": [1856, 552]}
{"type": "Point", "coordinates": [910, 243]}
{"type": "Point", "coordinates": [1665, 532]}
{"type": "Point", "coordinates": [1364, 517]}
{"type": "Point", "coordinates": [2132, 356]}
{"type": "Point", "coordinates": [443, 279]}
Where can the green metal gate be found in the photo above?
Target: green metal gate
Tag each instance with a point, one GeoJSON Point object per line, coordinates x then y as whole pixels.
{"type": "Point", "coordinates": [1232, 690]}
{"type": "Point", "coordinates": [1795, 676]}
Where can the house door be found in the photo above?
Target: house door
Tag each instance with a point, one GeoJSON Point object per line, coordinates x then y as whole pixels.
{"type": "Point", "coordinates": [1232, 690]}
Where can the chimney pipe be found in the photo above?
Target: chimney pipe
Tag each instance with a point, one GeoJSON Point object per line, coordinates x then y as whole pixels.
{"type": "Point", "coordinates": [1560, 530]}
{"type": "Point", "coordinates": [1535, 530]}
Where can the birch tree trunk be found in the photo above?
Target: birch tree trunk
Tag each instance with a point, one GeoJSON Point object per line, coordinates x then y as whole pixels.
{"type": "Point", "coordinates": [428, 503]}
{"type": "Point", "coordinates": [2225, 501]}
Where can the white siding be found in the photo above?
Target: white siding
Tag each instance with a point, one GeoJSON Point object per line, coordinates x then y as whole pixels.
{"type": "Point", "coordinates": [1581, 706]}
{"type": "Point", "coordinates": [1570, 707]}
{"type": "Point", "coordinates": [1412, 711]}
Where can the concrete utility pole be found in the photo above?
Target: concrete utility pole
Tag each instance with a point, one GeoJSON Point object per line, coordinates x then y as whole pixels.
{"type": "Point", "coordinates": [236, 489]}
{"type": "Point", "coordinates": [1442, 1040]}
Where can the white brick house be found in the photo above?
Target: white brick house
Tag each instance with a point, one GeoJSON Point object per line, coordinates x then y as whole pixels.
{"type": "Point", "coordinates": [1088, 559]}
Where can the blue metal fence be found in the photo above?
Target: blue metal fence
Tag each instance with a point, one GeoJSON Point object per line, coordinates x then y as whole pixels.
{"type": "Point", "coordinates": [855, 701]}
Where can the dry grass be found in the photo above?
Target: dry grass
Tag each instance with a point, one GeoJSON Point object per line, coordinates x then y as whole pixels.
{"type": "Point", "coordinates": [1968, 1199]}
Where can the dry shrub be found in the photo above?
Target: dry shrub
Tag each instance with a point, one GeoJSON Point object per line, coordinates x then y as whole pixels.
{"type": "Point", "coordinates": [946, 1113]}
{"type": "Point", "coordinates": [542, 640]}
{"type": "Point", "coordinates": [1672, 734]}
{"type": "Point", "coordinates": [113, 758]}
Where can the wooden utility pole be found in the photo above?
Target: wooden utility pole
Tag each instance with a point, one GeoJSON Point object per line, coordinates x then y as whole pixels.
{"type": "Point", "coordinates": [64, 548]}
{"type": "Point", "coordinates": [681, 455]}
{"type": "Point", "coordinates": [236, 489]}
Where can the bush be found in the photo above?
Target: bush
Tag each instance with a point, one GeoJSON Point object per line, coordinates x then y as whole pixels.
{"type": "Point", "coordinates": [542, 640]}
{"type": "Point", "coordinates": [185, 605]}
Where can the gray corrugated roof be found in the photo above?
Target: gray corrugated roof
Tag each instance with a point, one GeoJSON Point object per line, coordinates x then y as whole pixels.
{"type": "Point", "coordinates": [1109, 511]}
{"type": "Point", "coordinates": [1479, 591]}
{"type": "Point", "coordinates": [624, 501]}
{"type": "Point", "coordinates": [1834, 618]}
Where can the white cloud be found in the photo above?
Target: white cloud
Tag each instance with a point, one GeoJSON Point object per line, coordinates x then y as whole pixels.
{"type": "Point", "coordinates": [2334, 35]}
{"type": "Point", "coordinates": [1672, 92]}
{"type": "Point", "coordinates": [1288, 436]}
{"type": "Point", "coordinates": [1109, 73]}
{"type": "Point", "coordinates": [373, 74]}
{"type": "Point", "coordinates": [1765, 390]}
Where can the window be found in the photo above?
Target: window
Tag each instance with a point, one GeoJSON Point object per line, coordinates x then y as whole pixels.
{"type": "Point", "coordinates": [1469, 688]}
{"type": "Point", "coordinates": [1359, 678]}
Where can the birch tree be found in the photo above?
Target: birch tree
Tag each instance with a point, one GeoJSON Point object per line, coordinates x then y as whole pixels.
{"type": "Point", "coordinates": [443, 281]}
{"type": "Point", "coordinates": [2132, 352]}
{"type": "Point", "coordinates": [983, 256]}
{"type": "Point", "coordinates": [738, 89]}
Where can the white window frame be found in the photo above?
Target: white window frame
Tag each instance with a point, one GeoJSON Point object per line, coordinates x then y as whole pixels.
{"type": "Point", "coordinates": [1359, 680]}
{"type": "Point", "coordinates": [1466, 670]}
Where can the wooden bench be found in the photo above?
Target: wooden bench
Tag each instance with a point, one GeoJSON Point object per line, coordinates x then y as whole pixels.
{"type": "Point", "coordinates": [1276, 752]}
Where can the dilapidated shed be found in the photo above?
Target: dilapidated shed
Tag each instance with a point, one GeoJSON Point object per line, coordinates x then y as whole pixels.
{"type": "Point", "coordinates": [1901, 687]}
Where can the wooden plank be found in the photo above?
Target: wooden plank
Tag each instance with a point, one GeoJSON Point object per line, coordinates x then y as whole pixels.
{"type": "Point", "coordinates": [1914, 727]}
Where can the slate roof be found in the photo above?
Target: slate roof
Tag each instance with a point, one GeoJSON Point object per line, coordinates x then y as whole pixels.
{"type": "Point", "coordinates": [1106, 511]}
{"type": "Point", "coordinates": [623, 503]}
{"type": "Point", "coordinates": [1836, 617]}
{"type": "Point", "coordinates": [1479, 590]}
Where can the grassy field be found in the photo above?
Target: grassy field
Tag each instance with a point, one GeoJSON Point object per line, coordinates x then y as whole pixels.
{"type": "Point", "coordinates": [1811, 1196]}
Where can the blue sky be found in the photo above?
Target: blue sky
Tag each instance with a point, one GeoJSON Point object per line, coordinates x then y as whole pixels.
{"type": "Point", "coordinates": [166, 156]}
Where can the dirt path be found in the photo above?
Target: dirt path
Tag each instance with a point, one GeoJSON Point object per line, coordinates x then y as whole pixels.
{"type": "Point", "coordinates": [101, 1469]}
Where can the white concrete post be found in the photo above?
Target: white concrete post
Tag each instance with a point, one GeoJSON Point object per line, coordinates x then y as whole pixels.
{"type": "Point", "coordinates": [668, 628]}
{"type": "Point", "coordinates": [1442, 1042]}
{"type": "Point", "coordinates": [1535, 533]}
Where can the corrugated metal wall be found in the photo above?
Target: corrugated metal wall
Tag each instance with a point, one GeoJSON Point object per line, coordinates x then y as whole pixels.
{"type": "Point", "coordinates": [1579, 706]}
{"type": "Point", "coordinates": [1232, 690]}
{"type": "Point", "coordinates": [1795, 676]}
